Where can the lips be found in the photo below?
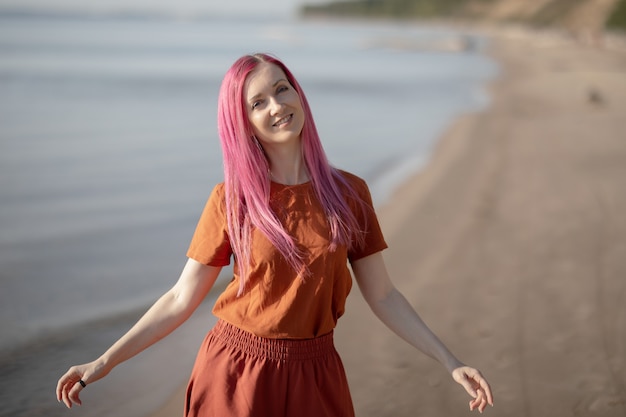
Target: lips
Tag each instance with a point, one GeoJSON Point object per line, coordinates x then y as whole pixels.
{"type": "Point", "coordinates": [283, 120]}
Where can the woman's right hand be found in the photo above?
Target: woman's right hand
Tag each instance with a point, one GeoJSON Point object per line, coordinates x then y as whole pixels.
{"type": "Point", "coordinates": [165, 315]}
{"type": "Point", "coordinates": [69, 386]}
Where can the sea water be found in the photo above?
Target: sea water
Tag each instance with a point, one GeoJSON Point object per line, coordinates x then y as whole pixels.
{"type": "Point", "coordinates": [109, 149]}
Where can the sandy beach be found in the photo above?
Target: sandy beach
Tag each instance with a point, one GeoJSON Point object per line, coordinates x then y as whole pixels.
{"type": "Point", "coordinates": [511, 244]}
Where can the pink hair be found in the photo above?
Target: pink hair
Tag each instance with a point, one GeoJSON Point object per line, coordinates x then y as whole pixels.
{"type": "Point", "coordinates": [247, 181]}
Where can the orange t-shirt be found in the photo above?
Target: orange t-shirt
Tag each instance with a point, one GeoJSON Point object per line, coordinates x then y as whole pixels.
{"type": "Point", "coordinates": [277, 303]}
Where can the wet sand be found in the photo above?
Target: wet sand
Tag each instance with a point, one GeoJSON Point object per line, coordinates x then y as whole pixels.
{"type": "Point", "coordinates": [511, 244]}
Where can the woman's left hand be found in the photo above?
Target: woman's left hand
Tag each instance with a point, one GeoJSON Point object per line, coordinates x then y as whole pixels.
{"type": "Point", "coordinates": [475, 385]}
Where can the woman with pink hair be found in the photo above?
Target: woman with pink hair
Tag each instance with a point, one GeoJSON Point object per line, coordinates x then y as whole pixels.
{"type": "Point", "coordinates": [291, 223]}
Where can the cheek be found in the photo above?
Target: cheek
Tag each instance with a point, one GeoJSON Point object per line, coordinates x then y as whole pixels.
{"type": "Point", "coordinates": [300, 108]}
{"type": "Point", "coordinates": [256, 121]}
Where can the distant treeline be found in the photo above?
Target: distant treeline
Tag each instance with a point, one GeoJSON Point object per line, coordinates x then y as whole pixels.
{"type": "Point", "coordinates": [550, 13]}
{"type": "Point", "coordinates": [409, 9]}
{"type": "Point", "coordinates": [617, 19]}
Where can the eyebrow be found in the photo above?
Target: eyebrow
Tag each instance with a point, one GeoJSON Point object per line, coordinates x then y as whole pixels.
{"type": "Point", "coordinates": [254, 97]}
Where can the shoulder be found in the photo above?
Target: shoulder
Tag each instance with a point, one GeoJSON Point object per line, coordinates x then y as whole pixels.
{"type": "Point", "coordinates": [219, 188]}
{"type": "Point", "coordinates": [217, 197]}
{"type": "Point", "coordinates": [218, 191]}
{"type": "Point", "coordinates": [355, 182]}
{"type": "Point", "coordinates": [351, 178]}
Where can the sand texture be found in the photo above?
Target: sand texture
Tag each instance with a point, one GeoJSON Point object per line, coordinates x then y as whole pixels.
{"type": "Point", "coordinates": [512, 246]}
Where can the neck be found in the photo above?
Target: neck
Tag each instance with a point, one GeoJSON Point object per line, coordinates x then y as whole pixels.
{"type": "Point", "coordinates": [287, 166]}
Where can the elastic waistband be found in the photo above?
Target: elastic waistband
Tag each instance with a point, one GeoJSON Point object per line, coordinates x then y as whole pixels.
{"type": "Point", "coordinates": [274, 349]}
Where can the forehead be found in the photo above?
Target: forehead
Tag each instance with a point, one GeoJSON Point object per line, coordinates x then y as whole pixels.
{"type": "Point", "coordinates": [264, 76]}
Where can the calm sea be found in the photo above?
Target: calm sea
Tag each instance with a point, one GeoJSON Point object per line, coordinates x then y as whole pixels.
{"type": "Point", "coordinates": [108, 151]}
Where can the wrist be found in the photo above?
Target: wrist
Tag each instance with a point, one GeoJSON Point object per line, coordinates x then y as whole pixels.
{"type": "Point", "coordinates": [452, 363]}
{"type": "Point", "coordinates": [104, 364]}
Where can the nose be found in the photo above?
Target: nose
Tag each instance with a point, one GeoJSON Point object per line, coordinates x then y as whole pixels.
{"type": "Point", "coordinates": [275, 106]}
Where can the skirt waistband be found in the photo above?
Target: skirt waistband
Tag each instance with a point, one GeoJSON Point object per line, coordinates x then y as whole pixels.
{"type": "Point", "coordinates": [273, 349]}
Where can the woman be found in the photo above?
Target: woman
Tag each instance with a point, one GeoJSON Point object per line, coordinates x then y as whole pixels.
{"type": "Point", "coordinates": [292, 223]}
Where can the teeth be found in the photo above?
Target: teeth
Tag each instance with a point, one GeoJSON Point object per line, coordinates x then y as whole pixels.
{"type": "Point", "coordinates": [283, 120]}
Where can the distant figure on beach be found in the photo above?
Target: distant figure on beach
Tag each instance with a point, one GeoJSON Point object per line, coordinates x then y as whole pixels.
{"type": "Point", "coordinates": [292, 223]}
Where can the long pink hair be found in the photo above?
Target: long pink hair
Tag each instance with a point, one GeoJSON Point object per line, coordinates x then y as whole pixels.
{"type": "Point", "coordinates": [247, 181]}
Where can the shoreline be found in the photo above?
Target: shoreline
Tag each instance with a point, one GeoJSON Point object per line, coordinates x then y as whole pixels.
{"type": "Point", "coordinates": [500, 242]}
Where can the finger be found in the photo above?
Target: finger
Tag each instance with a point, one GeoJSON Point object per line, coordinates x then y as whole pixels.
{"type": "Point", "coordinates": [474, 404]}
{"type": "Point", "coordinates": [65, 397]}
{"type": "Point", "coordinates": [484, 385]}
{"type": "Point", "coordinates": [73, 395]}
{"type": "Point", "coordinates": [59, 390]}
{"type": "Point", "coordinates": [489, 394]}
{"type": "Point", "coordinates": [478, 402]}
{"type": "Point", "coordinates": [69, 393]}
{"type": "Point", "coordinates": [65, 379]}
{"type": "Point", "coordinates": [482, 406]}
{"type": "Point", "coordinates": [482, 403]}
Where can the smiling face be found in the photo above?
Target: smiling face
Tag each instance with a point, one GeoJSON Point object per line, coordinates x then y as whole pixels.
{"type": "Point", "coordinates": [273, 106]}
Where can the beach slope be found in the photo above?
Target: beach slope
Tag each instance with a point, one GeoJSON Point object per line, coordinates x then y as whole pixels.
{"type": "Point", "coordinates": [512, 246]}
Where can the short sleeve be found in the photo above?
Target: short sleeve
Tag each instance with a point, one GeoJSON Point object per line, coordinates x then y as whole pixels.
{"type": "Point", "coordinates": [210, 244]}
{"type": "Point", "coordinates": [366, 216]}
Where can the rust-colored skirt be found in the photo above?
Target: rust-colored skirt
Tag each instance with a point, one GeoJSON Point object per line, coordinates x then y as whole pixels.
{"type": "Point", "coordinates": [238, 374]}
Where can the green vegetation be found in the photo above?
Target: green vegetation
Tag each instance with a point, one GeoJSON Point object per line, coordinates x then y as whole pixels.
{"type": "Point", "coordinates": [552, 13]}
{"type": "Point", "coordinates": [617, 19]}
{"type": "Point", "coordinates": [406, 9]}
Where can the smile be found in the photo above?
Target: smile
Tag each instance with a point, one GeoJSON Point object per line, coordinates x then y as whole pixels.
{"type": "Point", "coordinates": [283, 121]}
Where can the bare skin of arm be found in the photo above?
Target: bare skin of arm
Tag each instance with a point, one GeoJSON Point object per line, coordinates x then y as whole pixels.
{"type": "Point", "coordinates": [392, 308]}
{"type": "Point", "coordinates": [165, 315]}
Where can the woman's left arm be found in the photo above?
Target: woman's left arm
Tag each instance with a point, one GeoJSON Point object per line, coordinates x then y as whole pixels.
{"type": "Point", "coordinates": [397, 314]}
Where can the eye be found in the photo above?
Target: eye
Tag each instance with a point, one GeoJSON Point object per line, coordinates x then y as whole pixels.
{"type": "Point", "coordinates": [282, 88]}
{"type": "Point", "coordinates": [256, 104]}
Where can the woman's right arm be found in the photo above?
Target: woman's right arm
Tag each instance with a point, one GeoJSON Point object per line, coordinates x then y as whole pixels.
{"type": "Point", "coordinates": [165, 315]}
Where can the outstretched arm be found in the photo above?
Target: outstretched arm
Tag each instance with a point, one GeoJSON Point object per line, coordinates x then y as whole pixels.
{"type": "Point", "coordinates": [165, 315]}
{"type": "Point", "coordinates": [396, 313]}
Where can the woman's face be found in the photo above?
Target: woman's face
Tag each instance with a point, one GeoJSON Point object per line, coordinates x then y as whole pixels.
{"type": "Point", "coordinates": [274, 108]}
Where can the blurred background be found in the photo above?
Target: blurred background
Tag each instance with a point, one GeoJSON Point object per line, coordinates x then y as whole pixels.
{"type": "Point", "coordinates": [108, 151]}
